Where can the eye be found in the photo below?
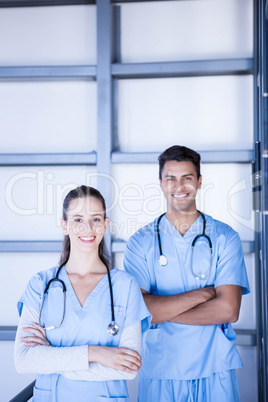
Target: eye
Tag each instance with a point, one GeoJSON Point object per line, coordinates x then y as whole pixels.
{"type": "Point", "coordinates": [187, 178]}
{"type": "Point", "coordinates": [96, 220]}
{"type": "Point", "coordinates": [78, 220]}
{"type": "Point", "coordinates": [170, 179]}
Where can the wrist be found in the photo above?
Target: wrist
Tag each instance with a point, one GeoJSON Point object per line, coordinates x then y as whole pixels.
{"type": "Point", "coordinates": [92, 354]}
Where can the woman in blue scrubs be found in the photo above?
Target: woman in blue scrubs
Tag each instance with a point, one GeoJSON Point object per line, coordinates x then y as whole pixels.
{"type": "Point", "coordinates": [76, 351]}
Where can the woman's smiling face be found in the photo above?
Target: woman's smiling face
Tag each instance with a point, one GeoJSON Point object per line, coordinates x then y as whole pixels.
{"type": "Point", "coordinates": [85, 224]}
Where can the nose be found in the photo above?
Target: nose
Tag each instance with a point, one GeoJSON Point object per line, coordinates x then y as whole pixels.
{"type": "Point", "coordinates": [85, 227]}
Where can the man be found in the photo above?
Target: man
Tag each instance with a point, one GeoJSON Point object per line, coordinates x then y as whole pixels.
{"type": "Point", "coordinates": [189, 352]}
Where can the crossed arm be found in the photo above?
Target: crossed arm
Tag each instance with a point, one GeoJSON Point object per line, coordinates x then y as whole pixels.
{"type": "Point", "coordinates": [203, 306]}
{"type": "Point", "coordinates": [34, 354]}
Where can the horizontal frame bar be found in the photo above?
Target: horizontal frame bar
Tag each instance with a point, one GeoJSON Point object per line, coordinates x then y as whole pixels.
{"type": "Point", "coordinates": [42, 3]}
{"type": "Point", "coordinates": [34, 246]}
{"type": "Point", "coordinates": [183, 68]}
{"type": "Point", "coordinates": [51, 246]}
{"type": "Point", "coordinates": [228, 156]}
{"type": "Point", "coordinates": [88, 72]}
{"type": "Point", "coordinates": [89, 158]}
{"type": "Point", "coordinates": [119, 246]}
{"type": "Point", "coordinates": [245, 337]}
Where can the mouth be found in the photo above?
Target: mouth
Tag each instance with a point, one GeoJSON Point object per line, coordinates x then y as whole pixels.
{"type": "Point", "coordinates": [87, 240]}
{"type": "Point", "coordinates": [180, 196]}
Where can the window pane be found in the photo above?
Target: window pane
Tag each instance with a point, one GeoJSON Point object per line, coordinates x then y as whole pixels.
{"type": "Point", "coordinates": [225, 194]}
{"type": "Point", "coordinates": [247, 316]}
{"type": "Point", "coordinates": [32, 206]}
{"type": "Point", "coordinates": [48, 116]}
{"type": "Point", "coordinates": [16, 270]}
{"type": "Point", "coordinates": [48, 36]}
{"type": "Point", "coordinates": [186, 30]}
{"type": "Point", "coordinates": [204, 113]}
{"type": "Point", "coordinates": [248, 375]}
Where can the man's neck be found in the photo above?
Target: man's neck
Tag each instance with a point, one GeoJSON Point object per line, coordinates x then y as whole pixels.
{"type": "Point", "coordinates": [182, 221]}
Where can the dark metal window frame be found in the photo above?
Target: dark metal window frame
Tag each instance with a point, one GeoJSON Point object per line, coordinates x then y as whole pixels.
{"type": "Point", "coordinates": [106, 73]}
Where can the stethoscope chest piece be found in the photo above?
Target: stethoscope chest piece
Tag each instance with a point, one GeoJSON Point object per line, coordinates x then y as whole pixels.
{"type": "Point", "coordinates": [162, 260]}
{"type": "Point", "coordinates": [112, 329]}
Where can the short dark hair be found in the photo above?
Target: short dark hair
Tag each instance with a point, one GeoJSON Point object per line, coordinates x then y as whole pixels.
{"type": "Point", "coordinates": [179, 154]}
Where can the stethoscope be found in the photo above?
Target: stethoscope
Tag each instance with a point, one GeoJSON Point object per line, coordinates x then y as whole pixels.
{"type": "Point", "coordinates": [112, 328]}
{"type": "Point", "coordinates": [163, 259]}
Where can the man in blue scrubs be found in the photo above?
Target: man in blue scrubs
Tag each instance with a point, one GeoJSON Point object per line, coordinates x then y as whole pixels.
{"type": "Point", "coordinates": [189, 352]}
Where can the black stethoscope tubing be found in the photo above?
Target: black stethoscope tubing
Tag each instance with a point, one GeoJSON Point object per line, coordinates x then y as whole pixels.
{"type": "Point", "coordinates": [112, 329]}
{"type": "Point", "coordinates": [162, 256]}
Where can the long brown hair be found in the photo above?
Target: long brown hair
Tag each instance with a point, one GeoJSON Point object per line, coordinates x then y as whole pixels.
{"type": "Point", "coordinates": [82, 192]}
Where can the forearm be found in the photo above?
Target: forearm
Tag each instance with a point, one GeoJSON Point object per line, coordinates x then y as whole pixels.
{"type": "Point", "coordinates": [222, 309]}
{"type": "Point", "coordinates": [131, 339]}
{"type": "Point", "coordinates": [167, 308]}
{"type": "Point", "coordinates": [45, 359]}
{"type": "Point", "coordinates": [72, 362]}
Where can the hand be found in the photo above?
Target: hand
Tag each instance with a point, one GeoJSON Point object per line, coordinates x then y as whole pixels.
{"type": "Point", "coordinates": [39, 337]}
{"type": "Point", "coordinates": [117, 358]}
{"type": "Point", "coordinates": [209, 292]}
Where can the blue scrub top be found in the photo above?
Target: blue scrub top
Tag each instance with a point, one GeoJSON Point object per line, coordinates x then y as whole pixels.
{"type": "Point", "coordinates": [179, 351]}
{"type": "Point", "coordinates": [84, 326]}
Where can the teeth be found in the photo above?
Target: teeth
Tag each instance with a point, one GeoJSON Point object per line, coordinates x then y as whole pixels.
{"type": "Point", "coordinates": [180, 195]}
{"type": "Point", "coordinates": [87, 238]}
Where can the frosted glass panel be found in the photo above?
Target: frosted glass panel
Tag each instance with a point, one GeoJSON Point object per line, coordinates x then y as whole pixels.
{"type": "Point", "coordinates": [225, 194]}
{"type": "Point", "coordinates": [247, 316]}
{"type": "Point", "coordinates": [40, 116]}
{"type": "Point", "coordinates": [48, 36]}
{"type": "Point", "coordinates": [204, 113]}
{"type": "Point", "coordinates": [186, 30]}
{"type": "Point", "coordinates": [11, 382]}
{"type": "Point", "coordinates": [138, 198]}
{"type": "Point", "coordinates": [248, 375]}
{"type": "Point", "coordinates": [31, 204]}
{"type": "Point", "coordinates": [16, 269]}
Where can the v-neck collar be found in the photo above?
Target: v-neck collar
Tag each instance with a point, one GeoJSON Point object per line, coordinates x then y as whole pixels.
{"type": "Point", "coordinates": [195, 229]}
{"type": "Point", "coordinates": [71, 292]}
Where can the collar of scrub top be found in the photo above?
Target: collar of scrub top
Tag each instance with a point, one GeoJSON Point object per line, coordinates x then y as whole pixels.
{"type": "Point", "coordinates": [163, 259]}
{"type": "Point", "coordinates": [112, 328]}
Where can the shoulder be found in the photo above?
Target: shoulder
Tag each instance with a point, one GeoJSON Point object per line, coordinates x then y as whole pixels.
{"type": "Point", "coordinates": [222, 233]}
{"type": "Point", "coordinates": [219, 227]}
{"type": "Point", "coordinates": [146, 231]}
{"type": "Point", "coordinates": [33, 293]}
{"type": "Point", "coordinates": [122, 277]}
{"type": "Point", "coordinates": [40, 279]}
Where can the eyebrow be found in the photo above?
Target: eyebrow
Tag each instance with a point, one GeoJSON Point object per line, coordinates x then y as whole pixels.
{"type": "Point", "coordinates": [184, 175]}
{"type": "Point", "coordinates": [81, 216]}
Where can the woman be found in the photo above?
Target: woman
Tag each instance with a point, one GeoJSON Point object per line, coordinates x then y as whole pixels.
{"type": "Point", "coordinates": [83, 342]}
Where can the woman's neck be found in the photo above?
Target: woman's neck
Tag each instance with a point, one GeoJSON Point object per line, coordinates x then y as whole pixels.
{"type": "Point", "coordinates": [84, 264]}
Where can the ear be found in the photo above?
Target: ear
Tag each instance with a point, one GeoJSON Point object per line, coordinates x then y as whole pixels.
{"type": "Point", "coordinates": [200, 182]}
{"type": "Point", "coordinates": [106, 223]}
{"type": "Point", "coordinates": [63, 224]}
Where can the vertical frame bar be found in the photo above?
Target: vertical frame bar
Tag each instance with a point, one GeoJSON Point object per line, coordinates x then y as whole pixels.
{"type": "Point", "coordinates": [104, 101]}
{"type": "Point", "coordinates": [263, 135]}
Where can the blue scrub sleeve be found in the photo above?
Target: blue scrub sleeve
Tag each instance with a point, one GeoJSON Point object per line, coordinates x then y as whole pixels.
{"type": "Point", "coordinates": [231, 268]}
{"type": "Point", "coordinates": [136, 308]}
{"type": "Point", "coordinates": [33, 294]}
{"type": "Point", "coordinates": [135, 262]}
